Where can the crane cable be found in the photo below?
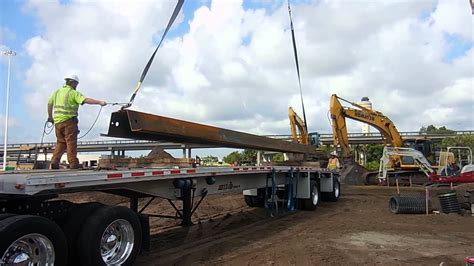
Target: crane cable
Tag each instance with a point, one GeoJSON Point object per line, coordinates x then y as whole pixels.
{"type": "Point", "coordinates": [297, 64]}
{"type": "Point", "coordinates": [49, 126]}
{"type": "Point", "coordinates": [145, 70]}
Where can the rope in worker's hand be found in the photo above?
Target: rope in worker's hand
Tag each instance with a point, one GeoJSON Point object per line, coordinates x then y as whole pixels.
{"type": "Point", "coordinates": [49, 126]}
{"type": "Point", "coordinates": [47, 129]}
{"type": "Point", "coordinates": [93, 124]}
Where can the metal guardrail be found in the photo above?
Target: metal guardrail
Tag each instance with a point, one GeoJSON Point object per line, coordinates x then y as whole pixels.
{"type": "Point", "coordinates": [120, 144]}
{"type": "Point", "coordinates": [405, 133]}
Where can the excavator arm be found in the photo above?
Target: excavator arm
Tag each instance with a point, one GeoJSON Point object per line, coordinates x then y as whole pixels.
{"type": "Point", "coordinates": [339, 129]}
{"type": "Point", "coordinates": [362, 114]}
{"type": "Point", "coordinates": [297, 124]}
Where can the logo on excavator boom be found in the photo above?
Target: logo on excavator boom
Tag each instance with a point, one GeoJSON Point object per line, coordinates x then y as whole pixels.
{"type": "Point", "coordinates": [365, 116]}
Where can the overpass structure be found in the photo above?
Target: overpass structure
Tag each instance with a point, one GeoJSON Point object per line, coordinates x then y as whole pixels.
{"type": "Point", "coordinates": [377, 138]}
{"type": "Point", "coordinates": [119, 146]}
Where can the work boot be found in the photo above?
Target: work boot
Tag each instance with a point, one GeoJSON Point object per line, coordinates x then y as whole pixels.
{"type": "Point", "coordinates": [54, 165]}
{"type": "Point", "coordinates": [75, 166]}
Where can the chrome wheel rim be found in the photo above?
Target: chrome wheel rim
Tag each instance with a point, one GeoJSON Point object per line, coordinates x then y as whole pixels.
{"type": "Point", "coordinates": [336, 190]}
{"type": "Point", "coordinates": [315, 195]}
{"type": "Point", "coordinates": [117, 242]}
{"type": "Point", "coordinates": [30, 249]}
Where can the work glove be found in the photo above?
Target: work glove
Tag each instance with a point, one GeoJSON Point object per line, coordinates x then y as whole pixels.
{"type": "Point", "coordinates": [51, 120]}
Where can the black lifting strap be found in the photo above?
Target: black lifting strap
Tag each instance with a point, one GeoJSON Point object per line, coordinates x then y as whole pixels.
{"type": "Point", "coordinates": [145, 71]}
{"type": "Point", "coordinates": [297, 64]}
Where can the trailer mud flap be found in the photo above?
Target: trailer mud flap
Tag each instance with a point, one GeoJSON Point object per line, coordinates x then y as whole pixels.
{"type": "Point", "coordinates": [250, 192]}
{"type": "Point", "coordinates": [326, 182]}
{"type": "Point", "coordinates": [145, 223]}
{"type": "Point", "coordinates": [303, 186]}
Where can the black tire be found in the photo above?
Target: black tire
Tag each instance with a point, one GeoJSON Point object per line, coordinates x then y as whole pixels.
{"type": "Point", "coordinates": [335, 194]}
{"type": "Point", "coordinates": [257, 201]}
{"type": "Point", "coordinates": [89, 242]}
{"type": "Point", "coordinates": [248, 200]}
{"type": "Point", "coordinates": [254, 201]}
{"type": "Point", "coordinates": [4, 216]}
{"type": "Point", "coordinates": [312, 203]}
{"type": "Point", "coordinates": [18, 226]}
{"type": "Point", "coordinates": [73, 227]}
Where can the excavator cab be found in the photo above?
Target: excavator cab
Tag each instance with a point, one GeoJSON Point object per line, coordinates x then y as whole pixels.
{"type": "Point", "coordinates": [453, 160]}
{"type": "Point", "coordinates": [314, 139]}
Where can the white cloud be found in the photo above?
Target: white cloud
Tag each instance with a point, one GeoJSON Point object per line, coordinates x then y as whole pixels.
{"type": "Point", "coordinates": [6, 35]}
{"type": "Point", "coordinates": [235, 67]}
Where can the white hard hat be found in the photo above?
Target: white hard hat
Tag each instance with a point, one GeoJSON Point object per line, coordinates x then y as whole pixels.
{"type": "Point", "coordinates": [72, 77]}
{"type": "Point", "coordinates": [334, 153]}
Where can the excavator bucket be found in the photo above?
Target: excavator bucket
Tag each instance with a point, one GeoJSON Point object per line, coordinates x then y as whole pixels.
{"type": "Point", "coordinates": [353, 173]}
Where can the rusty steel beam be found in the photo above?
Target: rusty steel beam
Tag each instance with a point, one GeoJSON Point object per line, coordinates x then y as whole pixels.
{"type": "Point", "coordinates": [138, 125]}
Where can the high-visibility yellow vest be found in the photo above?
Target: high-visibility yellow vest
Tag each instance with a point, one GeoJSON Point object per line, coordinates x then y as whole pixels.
{"type": "Point", "coordinates": [333, 163]}
{"type": "Point", "coordinates": [65, 102]}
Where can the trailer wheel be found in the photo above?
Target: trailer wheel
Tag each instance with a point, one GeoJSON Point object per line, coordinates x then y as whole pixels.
{"type": "Point", "coordinates": [335, 194]}
{"type": "Point", "coordinates": [313, 202]}
{"type": "Point", "coordinates": [248, 200]}
{"type": "Point", "coordinates": [110, 236]}
{"type": "Point", "coordinates": [4, 216]}
{"type": "Point", "coordinates": [73, 227]}
{"type": "Point", "coordinates": [31, 240]}
{"type": "Point", "coordinates": [254, 201]}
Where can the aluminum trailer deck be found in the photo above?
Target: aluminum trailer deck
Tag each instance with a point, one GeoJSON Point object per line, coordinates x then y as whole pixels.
{"type": "Point", "coordinates": [36, 227]}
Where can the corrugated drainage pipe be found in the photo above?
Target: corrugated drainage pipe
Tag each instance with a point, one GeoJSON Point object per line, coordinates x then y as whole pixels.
{"type": "Point", "coordinates": [449, 202]}
{"type": "Point", "coordinates": [407, 204]}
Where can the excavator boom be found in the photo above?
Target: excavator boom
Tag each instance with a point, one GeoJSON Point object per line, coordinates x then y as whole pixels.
{"type": "Point", "coordinates": [297, 124]}
{"type": "Point", "coordinates": [362, 114]}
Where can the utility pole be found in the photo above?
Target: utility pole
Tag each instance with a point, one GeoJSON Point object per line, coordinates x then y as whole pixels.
{"type": "Point", "coordinates": [8, 53]}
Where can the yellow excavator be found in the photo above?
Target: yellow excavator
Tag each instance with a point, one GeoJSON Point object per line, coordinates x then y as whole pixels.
{"type": "Point", "coordinates": [297, 124]}
{"type": "Point", "coordinates": [387, 128]}
{"type": "Point", "coordinates": [374, 118]}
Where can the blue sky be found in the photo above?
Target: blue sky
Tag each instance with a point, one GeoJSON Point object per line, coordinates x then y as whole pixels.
{"type": "Point", "coordinates": [427, 29]}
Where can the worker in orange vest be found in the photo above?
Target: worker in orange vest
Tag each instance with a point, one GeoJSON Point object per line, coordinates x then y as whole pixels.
{"type": "Point", "coordinates": [334, 163]}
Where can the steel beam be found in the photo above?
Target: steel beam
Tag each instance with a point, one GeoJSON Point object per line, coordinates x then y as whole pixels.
{"type": "Point", "coordinates": [138, 125]}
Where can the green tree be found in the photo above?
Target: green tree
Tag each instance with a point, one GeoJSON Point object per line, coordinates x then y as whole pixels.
{"type": "Point", "coordinates": [209, 160]}
{"type": "Point", "coordinates": [278, 157]}
{"type": "Point", "coordinates": [233, 157]}
{"type": "Point", "coordinates": [374, 152]}
{"type": "Point", "coordinates": [459, 141]}
{"type": "Point", "coordinates": [373, 165]}
{"type": "Point", "coordinates": [245, 155]}
{"type": "Point", "coordinates": [249, 155]}
{"type": "Point", "coordinates": [431, 129]}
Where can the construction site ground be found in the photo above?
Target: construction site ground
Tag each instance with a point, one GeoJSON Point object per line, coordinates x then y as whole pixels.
{"type": "Point", "coordinates": [358, 229]}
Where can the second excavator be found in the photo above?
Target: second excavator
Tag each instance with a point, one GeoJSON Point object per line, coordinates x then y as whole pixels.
{"type": "Point", "coordinates": [387, 128]}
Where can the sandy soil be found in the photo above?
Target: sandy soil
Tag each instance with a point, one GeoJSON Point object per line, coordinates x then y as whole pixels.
{"type": "Point", "coordinates": [358, 229]}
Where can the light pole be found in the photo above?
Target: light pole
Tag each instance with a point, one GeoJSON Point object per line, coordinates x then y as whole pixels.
{"type": "Point", "coordinates": [8, 53]}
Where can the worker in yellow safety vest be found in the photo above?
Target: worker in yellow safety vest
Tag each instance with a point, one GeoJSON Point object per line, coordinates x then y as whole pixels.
{"type": "Point", "coordinates": [333, 163]}
{"type": "Point", "coordinates": [65, 102]}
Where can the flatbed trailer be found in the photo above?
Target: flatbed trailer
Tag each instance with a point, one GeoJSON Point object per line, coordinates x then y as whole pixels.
{"type": "Point", "coordinates": [35, 227]}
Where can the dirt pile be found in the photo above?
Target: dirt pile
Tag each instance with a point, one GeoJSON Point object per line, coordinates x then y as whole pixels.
{"type": "Point", "coordinates": [158, 153]}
